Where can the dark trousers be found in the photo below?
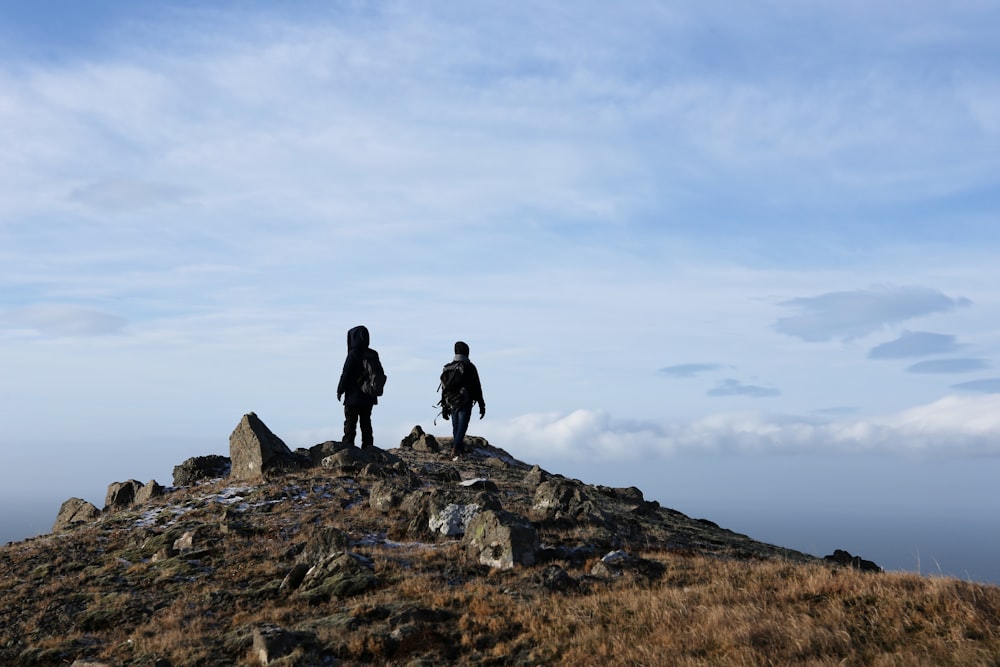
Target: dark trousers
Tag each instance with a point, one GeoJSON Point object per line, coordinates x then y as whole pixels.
{"type": "Point", "coordinates": [354, 414]}
{"type": "Point", "coordinates": [459, 425]}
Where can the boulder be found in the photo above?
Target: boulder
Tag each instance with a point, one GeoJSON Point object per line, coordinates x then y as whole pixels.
{"type": "Point", "coordinates": [323, 542]}
{"type": "Point", "coordinates": [452, 520]}
{"type": "Point", "coordinates": [147, 491]}
{"type": "Point", "coordinates": [501, 539]}
{"type": "Point", "coordinates": [254, 450]}
{"type": "Point", "coordinates": [200, 468]}
{"type": "Point", "coordinates": [121, 494]}
{"type": "Point", "coordinates": [372, 462]}
{"type": "Point", "coordinates": [271, 642]}
{"type": "Point", "coordinates": [72, 513]}
{"type": "Point", "coordinates": [317, 453]}
{"type": "Point", "coordinates": [420, 441]}
{"type": "Point", "coordinates": [619, 563]}
{"type": "Point", "coordinates": [387, 494]}
{"type": "Point", "coordinates": [337, 576]}
{"type": "Point", "coordinates": [559, 498]}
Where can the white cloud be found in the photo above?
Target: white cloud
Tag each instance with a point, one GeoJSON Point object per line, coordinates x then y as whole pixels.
{"type": "Point", "coordinates": [951, 426]}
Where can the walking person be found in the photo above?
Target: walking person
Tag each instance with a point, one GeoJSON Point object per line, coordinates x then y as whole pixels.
{"type": "Point", "coordinates": [460, 390]}
{"type": "Point", "coordinates": [360, 385]}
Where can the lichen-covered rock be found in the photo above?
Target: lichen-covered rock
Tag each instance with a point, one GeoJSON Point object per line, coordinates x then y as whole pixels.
{"type": "Point", "coordinates": [338, 576]}
{"type": "Point", "coordinates": [501, 539]}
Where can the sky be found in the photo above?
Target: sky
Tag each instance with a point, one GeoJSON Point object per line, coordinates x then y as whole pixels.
{"type": "Point", "coordinates": [740, 255]}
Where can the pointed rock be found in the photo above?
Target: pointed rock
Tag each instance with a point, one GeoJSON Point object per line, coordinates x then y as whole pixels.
{"type": "Point", "coordinates": [254, 450]}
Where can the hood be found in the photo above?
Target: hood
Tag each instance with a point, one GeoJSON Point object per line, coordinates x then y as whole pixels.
{"type": "Point", "coordinates": [357, 338]}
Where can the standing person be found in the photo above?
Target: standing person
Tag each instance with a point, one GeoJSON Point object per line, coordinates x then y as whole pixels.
{"type": "Point", "coordinates": [460, 389]}
{"type": "Point", "coordinates": [360, 385]}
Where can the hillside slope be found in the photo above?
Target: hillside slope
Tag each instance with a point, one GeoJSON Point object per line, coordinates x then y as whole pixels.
{"type": "Point", "coordinates": [406, 557]}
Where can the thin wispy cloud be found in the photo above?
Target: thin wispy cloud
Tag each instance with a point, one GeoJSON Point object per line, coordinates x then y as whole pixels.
{"type": "Point", "coordinates": [689, 370]}
{"type": "Point", "coordinates": [62, 320]}
{"type": "Point", "coordinates": [915, 344]}
{"type": "Point", "coordinates": [948, 366]}
{"type": "Point", "coordinates": [732, 387]}
{"type": "Point", "coordinates": [986, 386]}
{"type": "Point", "coordinates": [124, 194]}
{"type": "Point", "coordinates": [856, 313]}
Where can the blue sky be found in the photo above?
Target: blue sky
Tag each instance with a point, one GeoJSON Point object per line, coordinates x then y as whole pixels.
{"type": "Point", "coordinates": [667, 230]}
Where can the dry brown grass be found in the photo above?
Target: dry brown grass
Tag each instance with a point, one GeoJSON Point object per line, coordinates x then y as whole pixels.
{"type": "Point", "coordinates": [99, 594]}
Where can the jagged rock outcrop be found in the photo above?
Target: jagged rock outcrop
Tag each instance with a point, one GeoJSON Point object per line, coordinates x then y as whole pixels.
{"type": "Point", "coordinates": [200, 468]}
{"type": "Point", "coordinates": [841, 557]}
{"type": "Point", "coordinates": [74, 512]}
{"type": "Point", "coordinates": [420, 441]}
{"type": "Point", "coordinates": [132, 492]}
{"type": "Point", "coordinates": [254, 450]}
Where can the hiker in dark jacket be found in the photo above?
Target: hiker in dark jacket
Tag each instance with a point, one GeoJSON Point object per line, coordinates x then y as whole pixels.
{"type": "Point", "coordinates": [457, 404]}
{"type": "Point", "coordinates": [357, 404]}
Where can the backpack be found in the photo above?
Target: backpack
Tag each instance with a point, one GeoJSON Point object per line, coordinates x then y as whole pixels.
{"type": "Point", "coordinates": [452, 386]}
{"type": "Point", "coordinates": [372, 376]}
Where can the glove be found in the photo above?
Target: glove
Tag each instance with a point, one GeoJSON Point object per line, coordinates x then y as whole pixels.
{"type": "Point", "coordinates": [445, 413]}
{"type": "Point", "coordinates": [482, 411]}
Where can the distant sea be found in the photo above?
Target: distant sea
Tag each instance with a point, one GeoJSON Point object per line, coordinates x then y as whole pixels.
{"type": "Point", "coordinates": [927, 516]}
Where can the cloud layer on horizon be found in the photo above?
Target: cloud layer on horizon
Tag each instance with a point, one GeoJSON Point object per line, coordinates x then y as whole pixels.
{"type": "Point", "coordinates": [952, 426]}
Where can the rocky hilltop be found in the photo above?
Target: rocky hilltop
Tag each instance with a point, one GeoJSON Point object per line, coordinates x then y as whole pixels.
{"type": "Point", "coordinates": [338, 555]}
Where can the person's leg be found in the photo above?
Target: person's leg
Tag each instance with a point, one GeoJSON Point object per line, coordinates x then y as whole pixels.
{"type": "Point", "coordinates": [459, 425]}
{"type": "Point", "coordinates": [367, 437]}
{"type": "Point", "coordinates": [350, 424]}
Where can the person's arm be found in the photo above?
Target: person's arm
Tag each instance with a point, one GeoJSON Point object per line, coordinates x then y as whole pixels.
{"type": "Point", "coordinates": [350, 372]}
{"type": "Point", "coordinates": [477, 392]}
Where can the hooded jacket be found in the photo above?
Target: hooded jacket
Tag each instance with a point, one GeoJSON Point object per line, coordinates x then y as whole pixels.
{"type": "Point", "coordinates": [351, 376]}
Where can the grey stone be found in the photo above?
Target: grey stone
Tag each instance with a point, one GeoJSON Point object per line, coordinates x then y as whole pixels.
{"type": "Point", "coordinates": [452, 520]}
{"type": "Point", "coordinates": [501, 539]}
{"type": "Point", "coordinates": [74, 512]}
{"type": "Point", "coordinates": [200, 468]}
{"type": "Point", "coordinates": [148, 491]}
{"type": "Point", "coordinates": [254, 450]}
{"type": "Point", "coordinates": [121, 494]}
{"type": "Point", "coordinates": [338, 576]}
